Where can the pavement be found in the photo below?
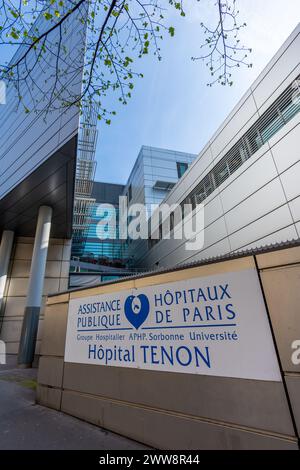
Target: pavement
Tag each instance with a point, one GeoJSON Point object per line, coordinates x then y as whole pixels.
{"type": "Point", "coordinates": [26, 425]}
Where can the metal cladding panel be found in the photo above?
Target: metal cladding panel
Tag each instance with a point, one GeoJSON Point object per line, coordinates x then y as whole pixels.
{"type": "Point", "coordinates": [107, 192]}
{"type": "Point", "coordinates": [295, 209]}
{"type": "Point", "coordinates": [52, 183]}
{"type": "Point", "coordinates": [28, 139]}
{"type": "Point", "coordinates": [250, 178]}
{"type": "Point", "coordinates": [263, 201]}
{"type": "Point", "coordinates": [287, 145]}
{"type": "Point", "coordinates": [262, 228]}
{"type": "Point", "coordinates": [245, 116]}
{"type": "Point", "coordinates": [282, 69]}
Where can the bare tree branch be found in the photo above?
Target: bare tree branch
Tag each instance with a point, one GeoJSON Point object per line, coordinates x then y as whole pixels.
{"type": "Point", "coordinates": [114, 34]}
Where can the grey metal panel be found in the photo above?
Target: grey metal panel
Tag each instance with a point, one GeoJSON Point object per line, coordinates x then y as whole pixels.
{"type": "Point", "coordinates": [243, 116]}
{"type": "Point", "coordinates": [52, 183]}
{"type": "Point", "coordinates": [107, 192]}
{"type": "Point", "coordinates": [283, 65]}
{"type": "Point", "coordinates": [287, 233]}
{"type": "Point", "coordinates": [286, 150]}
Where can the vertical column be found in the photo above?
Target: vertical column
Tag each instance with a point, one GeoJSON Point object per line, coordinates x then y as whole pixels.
{"type": "Point", "coordinates": [35, 288]}
{"type": "Point", "coordinates": [5, 254]}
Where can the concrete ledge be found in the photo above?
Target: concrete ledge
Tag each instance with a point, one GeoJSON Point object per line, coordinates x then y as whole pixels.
{"type": "Point", "coordinates": [279, 258]}
{"type": "Point", "coordinates": [58, 299]}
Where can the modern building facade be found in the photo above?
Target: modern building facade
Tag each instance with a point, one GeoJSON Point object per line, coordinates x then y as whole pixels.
{"type": "Point", "coordinates": [37, 180]}
{"type": "Point", "coordinates": [84, 178]}
{"type": "Point", "coordinates": [111, 250]}
{"type": "Point", "coordinates": [95, 260]}
{"type": "Point", "coordinates": [247, 177]}
{"type": "Point", "coordinates": [154, 174]}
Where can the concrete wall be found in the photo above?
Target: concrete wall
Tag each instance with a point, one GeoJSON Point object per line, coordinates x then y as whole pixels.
{"type": "Point", "coordinates": [181, 411]}
{"type": "Point", "coordinates": [280, 274]}
{"type": "Point", "coordinates": [56, 279]}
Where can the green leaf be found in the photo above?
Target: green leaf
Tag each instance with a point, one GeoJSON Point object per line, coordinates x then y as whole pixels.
{"type": "Point", "coordinates": [172, 30]}
{"type": "Point", "coordinates": [48, 16]}
{"type": "Point", "coordinates": [15, 14]}
{"type": "Point", "coordinates": [14, 35]}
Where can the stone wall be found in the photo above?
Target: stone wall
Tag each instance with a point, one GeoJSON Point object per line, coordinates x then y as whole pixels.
{"type": "Point", "coordinates": [56, 280]}
{"type": "Point", "coordinates": [184, 411]}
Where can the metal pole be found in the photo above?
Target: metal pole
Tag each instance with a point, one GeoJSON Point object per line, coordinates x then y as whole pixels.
{"type": "Point", "coordinates": [35, 288]}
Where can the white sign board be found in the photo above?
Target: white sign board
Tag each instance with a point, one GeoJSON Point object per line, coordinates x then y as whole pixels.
{"type": "Point", "coordinates": [214, 325]}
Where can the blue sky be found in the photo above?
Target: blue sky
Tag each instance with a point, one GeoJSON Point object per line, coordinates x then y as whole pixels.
{"type": "Point", "coordinates": [171, 106]}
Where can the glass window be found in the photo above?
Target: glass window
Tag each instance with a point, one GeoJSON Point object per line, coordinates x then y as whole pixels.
{"type": "Point", "coordinates": [171, 221]}
{"type": "Point", "coordinates": [221, 173]}
{"type": "Point", "coordinates": [181, 168]}
{"type": "Point", "coordinates": [234, 162]}
{"type": "Point", "coordinates": [253, 140]}
{"type": "Point", "coordinates": [270, 128]}
{"type": "Point", "coordinates": [107, 277]}
{"type": "Point", "coordinates": [129, 193]}
{"type": "Point", "coordinates": [194, 202]}
{"type": "Point", "coordinates": [160, 232]}
{"type": "Point", "coordinates": [291, 104]}
{"type": "Point", "coordinates": [200, 196]}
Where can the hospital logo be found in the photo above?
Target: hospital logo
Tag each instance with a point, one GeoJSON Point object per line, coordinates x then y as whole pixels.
{"type": "Point", "coordinates": [137, 309]}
